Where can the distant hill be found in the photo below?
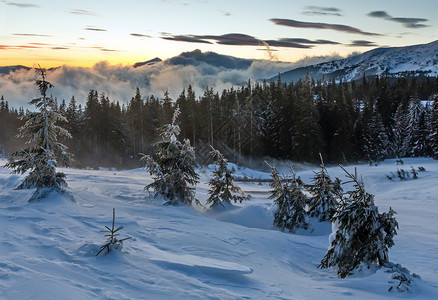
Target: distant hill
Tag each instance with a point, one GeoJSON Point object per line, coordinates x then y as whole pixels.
{"type": "Point", "coordinates": [6, 70]}
{"type": "Point", "coordinates": [414, 60]}
{"type": "Point", "coordinates": [148, 63]}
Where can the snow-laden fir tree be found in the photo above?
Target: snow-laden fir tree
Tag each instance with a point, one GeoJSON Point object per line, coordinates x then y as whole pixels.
{"type": "Point", "coordinates": [325, 193]}
{"type": "Point", "coordinates": [433, 135]}
{"type": "Point", "coordinates": [361, 236]}
{"type": "Point", "coordinates": [375, 140]}
{"type": "Point", "coordinates": [173, 167]}
{"type": "Point", "coordinates": [398, 145]}
{"type": "Point", "coordinates": [290, 200]}
{"type": "Point", "coordinates": [412, 137]}
{"type": "Point", "coordinates": [222, 185]}
{"type": "Point", "coordinates": [44, 150]}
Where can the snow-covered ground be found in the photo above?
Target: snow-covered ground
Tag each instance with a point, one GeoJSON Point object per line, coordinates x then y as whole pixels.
{"type": "Point", "coordinates": [47, 249]}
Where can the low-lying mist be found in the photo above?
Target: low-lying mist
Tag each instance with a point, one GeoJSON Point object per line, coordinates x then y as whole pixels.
{"type": "Point", "coordinates": [200, 70]}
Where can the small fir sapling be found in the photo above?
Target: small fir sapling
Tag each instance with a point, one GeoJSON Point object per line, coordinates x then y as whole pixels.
{"type": "Point", "coordinates": [361, 236]}
{"type": "Point", "coordinates": [222, 185]}
{"type": "Point", "coordinates": [112, 242]}
{"type": "Point", "coordinates": [414, 173]}
{"type": "Point", "coordinates": [44, 150]}
{"type": "Point", "coordinates": [290, 200]}
{"type": "Point", "coordinates": [173, 167]}
{"type": "Point", "coordinates": [325, 194]}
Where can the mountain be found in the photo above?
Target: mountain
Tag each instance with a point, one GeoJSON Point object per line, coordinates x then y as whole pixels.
{"type": "Point", "coordinates": [6, 70]}
{"type": "Point", "coordinates": [148, 63]}
{"type": "Point", "coordinates": [197, 57]}
{"type": "Point", "coordinates": [415, 60]}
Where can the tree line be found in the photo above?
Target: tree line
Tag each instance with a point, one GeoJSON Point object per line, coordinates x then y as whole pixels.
{"type": "Point", "coordinates": [367, 120]}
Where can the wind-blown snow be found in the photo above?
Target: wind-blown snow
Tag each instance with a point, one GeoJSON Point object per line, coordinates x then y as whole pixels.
{"type": "Point", "coordinates": [48, 248]}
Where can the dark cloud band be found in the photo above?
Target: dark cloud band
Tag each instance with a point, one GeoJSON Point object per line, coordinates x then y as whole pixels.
{"type": "Point", "coordinates": [140, 35]}
{"type": "Point", "coordinates": [94, 29]}
{"type": "Point", "coordinates": [322, 11]}
{"type": "Point", "coordinates": [22, 5]}
{"type": "Point", "coordinates": [406, 22]}
{"type": "Point", "coordinates": [32, 34]}
{"type": "Point", "coordinates": [337, 27]}
{"type": "Point", "coordinates": [81, 12]}
{"type": "Point", "coordinates": [362, 43]}
{"type": "Point", "coordinates": [238, 39]}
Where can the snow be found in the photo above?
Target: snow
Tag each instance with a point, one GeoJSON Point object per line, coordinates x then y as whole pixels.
{"type": "Point", "coordinates": [48, 248]}
{"type": "Point", "coordinates": [416, 59]}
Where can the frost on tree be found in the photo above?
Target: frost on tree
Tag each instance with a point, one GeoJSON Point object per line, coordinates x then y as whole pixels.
{"type": "Point", "coordinates": [433, 136]}
{"type": "Point", "coordinates": [290, 214]}
{"type": "Point", "coordinates": [44, 151]}
{"type": "Point", "coordinates": [222, 185]}
{"type": "Point", "coordinates": [173, 167]}
{"type": "Point", "coordinates": [399, 132]}
{"type": "Point", "coordinates": [324, 191]}
{"type": "Point", "coordinates": [361, 236]}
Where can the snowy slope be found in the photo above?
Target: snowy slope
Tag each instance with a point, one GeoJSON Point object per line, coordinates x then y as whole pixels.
{"type": "Point", "coordinates": [416, 59]}
{"type": "Point", "coordinates": [47, 249]}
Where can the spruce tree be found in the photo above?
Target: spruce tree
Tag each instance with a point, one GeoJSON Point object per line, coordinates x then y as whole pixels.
{"type": "Point", "coordinates": [173, 168]}
{"type": "Point", "coordinates": [360, 234]}
{"type": "Point", "coordinates": [42, 132]}
{"type": "Point", "coordinates": [222, 185]}
{"type": "Point", "coordinates": [290, 201]}
{"type": "Point", "coordinates": [374, 140]}
{"type": "Point", "coordinates": [433, 133]}
{"type": "Point", "coordinates": [413, 127]}
{"type": "Point", "coordinates": [399, 148]}
{"type": "Point", "coordinates": [324, 191]}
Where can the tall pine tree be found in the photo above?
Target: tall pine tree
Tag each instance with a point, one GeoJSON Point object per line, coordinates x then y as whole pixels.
{"type": "Point", "coordinates": [40, 158]}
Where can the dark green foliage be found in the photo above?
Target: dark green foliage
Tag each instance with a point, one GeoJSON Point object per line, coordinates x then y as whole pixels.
{"type": "Point", "coordinates": [325, 194]}
{"type": "Point", "coordinates": [172, 167]}
{"type": "Point", "coordinates": [362, 235]}
{"type": "Point", "coordinates": [222, 185]}
{"type": "Point", "coordinates": [433, 135]}
{"type": "Point", "coordinates": [41, 157]}
{"type": "Point", "coordinates": [345, 121]}
{"type": "Point", "coordinates": [290, 200]}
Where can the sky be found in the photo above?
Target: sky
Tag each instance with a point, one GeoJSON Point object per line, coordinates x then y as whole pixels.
{"type": "Point", "coordinates": [82, 33]}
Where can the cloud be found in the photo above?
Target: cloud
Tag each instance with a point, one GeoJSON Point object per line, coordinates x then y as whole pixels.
{"type": "Point", "coordinates": [225, 13]}
{"type": "Point", "coordinates": [22, 5]}
{"type": "Point", "coordinates": [238, 39]}
{"type": "Point", "coordinates": [32, 34]}
{"type": "Point", "coordinates": [322, 11]}
{"type": "Point", "coordinates": [108, 50]}
{"type": "Point", "coordinates": [60, 48]}
{"type": "Point", "coordinates": [306, 41]}
{"type": "Point", "coordinates": [185, 38]}
{"type": "Point", "coordinates": [362, 43]}
{"type": "Point", "coordinates": [40, 44]}
{"type": "Point", "coordinates": [82, 12]}
{"type": "Point", "coordinates": [201, 70]}
{"type": "Point", "coordinates": [92, 28]}
{"type": "Point", "coordinates": [406, 22]}
{"type": "Point", "coordinates": [337, 27]}
{"type": "Point", "coordinates": [140, 35]}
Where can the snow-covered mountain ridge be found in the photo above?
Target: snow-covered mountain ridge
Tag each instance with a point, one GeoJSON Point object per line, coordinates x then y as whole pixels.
{"type": "Point", "coordinates": [414, 60]}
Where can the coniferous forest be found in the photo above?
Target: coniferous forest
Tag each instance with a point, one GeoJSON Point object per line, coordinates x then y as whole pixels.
{"type": "Point", "coordinates": [367, 120]}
